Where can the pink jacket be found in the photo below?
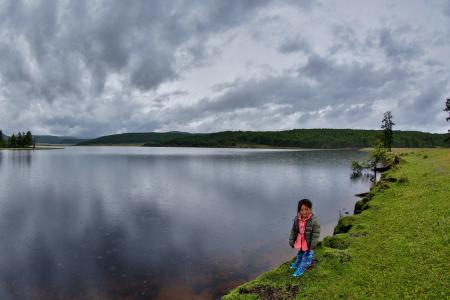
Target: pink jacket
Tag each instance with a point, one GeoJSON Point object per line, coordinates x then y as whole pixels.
{"type": "Point", "coordinates": [300, 242]}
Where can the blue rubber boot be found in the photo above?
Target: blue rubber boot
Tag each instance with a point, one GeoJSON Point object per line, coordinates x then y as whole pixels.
{"type": "Point", "coordinates": [299, 272]}
{"type": "Point", "coordinates": [306, 261]}
{"type": "Point", "coordinates": [297, 261]}
{"type": "Point", "coordinates": [309, 257]}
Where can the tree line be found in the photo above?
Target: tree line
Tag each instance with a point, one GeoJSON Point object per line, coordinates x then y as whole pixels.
{"type": "Point", "coordinates": [19, 140]}
{"type": "Point", "coordinates": [447, 109]}
{"type": "Point", "coordinates": [302, 138]}
{"type": "Point", "coordinates": [313, 138]}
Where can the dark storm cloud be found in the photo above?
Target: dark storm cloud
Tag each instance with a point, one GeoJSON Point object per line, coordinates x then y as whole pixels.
{"type": "Point", "coordinates": [66, 51]}
{"type": "Point", "coordinates": [30, 45]}
{"type": "Point", "coordinates": [72, 67]}
{"type": "Point", "coordinates": [66, 40]}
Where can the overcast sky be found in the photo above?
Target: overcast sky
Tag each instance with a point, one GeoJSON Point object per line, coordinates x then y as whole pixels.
{"type": "Point", "coordinates": [88, 68]}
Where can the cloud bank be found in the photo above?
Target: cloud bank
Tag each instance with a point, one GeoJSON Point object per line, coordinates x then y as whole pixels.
{"type": "Point", "coordinates": [89, 68]}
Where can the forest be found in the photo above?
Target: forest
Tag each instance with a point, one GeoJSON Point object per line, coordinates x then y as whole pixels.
{"type": "Point", "coordinates": [302, 138]}
{"type": "Point", "coordinates": [19, 140]}
{"type": "Point", "coordinates": [297, 138]}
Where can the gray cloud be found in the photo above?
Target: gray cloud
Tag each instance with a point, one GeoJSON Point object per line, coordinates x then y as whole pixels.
{"type": "Point", "coordinates": [321, 83]}
{"type": "Point", "coordinates": [68, 39]}
{"type": "Point", "coordinates": [295, 45]}
{"type": "Point", "coordinates": [71, 67]}
{"type": "Point", "coordinates": [351, 80]}
{"type": "Point", "coordinates": [446, 8]}
{"type": "Point", "coordinates": [418, 110]}
{"type": "Point", "coordinates": [395, 47]}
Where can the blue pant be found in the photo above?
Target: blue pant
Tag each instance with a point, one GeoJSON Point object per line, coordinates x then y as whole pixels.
{"type": "Point", "coordinates": [302, 261]}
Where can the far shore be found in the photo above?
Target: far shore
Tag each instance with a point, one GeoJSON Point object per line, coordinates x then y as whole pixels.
{"type": "Point", "coordinates": [40, 147]}
{"type": "Point", "coordinates": [110, 145]}
{"type": "Point", "coordinates": [222, 147]}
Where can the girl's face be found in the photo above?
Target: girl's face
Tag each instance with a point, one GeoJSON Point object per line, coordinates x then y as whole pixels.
{"type": "Point", "coordinates": [304, 211]}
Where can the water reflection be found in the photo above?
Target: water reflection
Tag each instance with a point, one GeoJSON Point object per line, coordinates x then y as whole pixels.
{"type": "Point", "coordinates": [129, 222]}
{"type": "Point", "coordinates": [21, 157]}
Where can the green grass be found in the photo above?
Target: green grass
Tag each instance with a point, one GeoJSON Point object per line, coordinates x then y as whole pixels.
{"type": "Point", "coordinates": [398, 248]}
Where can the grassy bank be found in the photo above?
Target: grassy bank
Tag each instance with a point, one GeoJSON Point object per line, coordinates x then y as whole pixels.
{"type": "Point", "coordinates": [399, 247]}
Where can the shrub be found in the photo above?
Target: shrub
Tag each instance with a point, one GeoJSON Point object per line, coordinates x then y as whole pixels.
{"type": "Point", "coordinates": [391, 179]}
{"type": "Point", "coordinates": [382, 185]}
{"type": "Point", "coordinates": [356, 169]}
{"type": "Point", "coordinates": [361, 205]}
{"type": "Point", "coordinates": [403, 178]}
{"type": "Point", "coordinates": [336, 242]}
{"type": "Point", "coordinates": [342, 256]}
{"type": "Point", "coordinates": [344, 225]}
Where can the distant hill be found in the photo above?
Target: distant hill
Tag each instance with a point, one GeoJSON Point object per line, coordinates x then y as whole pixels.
{"type": "Point", "coordinates": [301, 138]}
{"type": "Point", "coordinates": [51, 139]}
{"type": "Point", "coordinates": [134, 138]}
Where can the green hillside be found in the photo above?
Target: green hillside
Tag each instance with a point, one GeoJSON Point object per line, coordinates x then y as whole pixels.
{"type": "Point", "coordinates": [134, 138]}
{"type": "Point", "coordinates": [300, 138]}
{"type": "Point", "coordinates": [51, 139]}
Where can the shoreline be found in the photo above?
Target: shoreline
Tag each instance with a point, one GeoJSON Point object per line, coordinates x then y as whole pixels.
{"type": "Point", "coordinates": [42, 147]}
{"type": "Point", "coordinates": [364, 149]}
{"type": "Point", "coordinates": [349, 260]}
{"type": "Point", "coordinates": [224, 147]}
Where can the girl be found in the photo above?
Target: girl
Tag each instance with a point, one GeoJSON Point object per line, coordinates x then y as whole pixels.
{"type": "Point", "coordinates": [304, 236]}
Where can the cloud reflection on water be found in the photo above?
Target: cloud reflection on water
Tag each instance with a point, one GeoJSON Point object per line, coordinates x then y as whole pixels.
{"type": "Point", "coordinates": [107, 223]}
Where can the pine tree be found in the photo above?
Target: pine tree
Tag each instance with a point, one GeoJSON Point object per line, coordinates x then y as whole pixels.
{"type": "Point", "coordinates": [12, 140]}
{"type": "Point", "coordinates": [386, 125]}
{"type": "Point", "coordinates": [19, 140]}
{"type": "Point", "coordinates": [2, 142]}
{"type": "Point", "coordinates": [28, 140]}
{"type": "Point", "coordinates": [447, 108]}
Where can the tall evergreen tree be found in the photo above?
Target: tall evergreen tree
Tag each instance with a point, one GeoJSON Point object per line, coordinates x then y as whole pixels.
{"type": "Point", "coordinates": [12, 141]}
{"type": "Point", "coordinates": [19, 140]}
{"type": "Point", "coordinates": [386, 125]}
{"type": "Point", "coordinates": [2, 142]}
{"type": "Point", "coordinates": [28, 140]}
{"type": "Point", "coordinates": [447, 108]}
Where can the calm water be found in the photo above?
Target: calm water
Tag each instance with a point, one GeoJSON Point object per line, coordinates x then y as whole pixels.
{"type": "Point", "coordinates": [144, 223]}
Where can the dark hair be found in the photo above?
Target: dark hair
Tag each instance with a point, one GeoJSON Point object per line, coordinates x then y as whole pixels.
{"type": "Point", "coordinates": [305, 202]}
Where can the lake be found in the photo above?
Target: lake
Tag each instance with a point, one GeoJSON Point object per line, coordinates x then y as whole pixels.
{"type": "Point", "coordinates": [158, 223]}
